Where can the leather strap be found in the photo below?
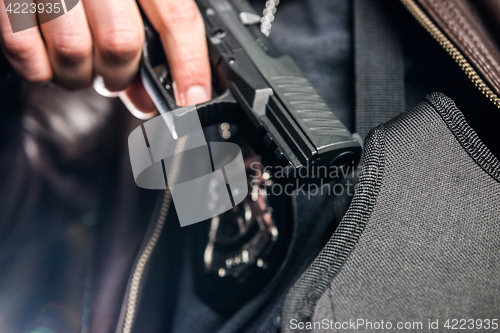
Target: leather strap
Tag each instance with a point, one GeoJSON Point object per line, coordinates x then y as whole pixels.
{"type": "Point", "coordinates": [461, 21]}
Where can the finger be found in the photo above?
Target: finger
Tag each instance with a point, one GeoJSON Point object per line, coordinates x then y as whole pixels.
{"type": "Point", "coordinates": [69, 46]}
{"type": "Point", "coordinates": [25, 49]}
{"type": "Point", "coordinates": [137, 100]}
{"type": "Point", "coordinates": [182, 32]}
{"type": "Point", "coordinates": [118, 37]}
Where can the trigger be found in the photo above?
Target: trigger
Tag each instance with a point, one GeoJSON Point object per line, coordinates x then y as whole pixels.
{"type": "Point", "coordinates": [165, 79]}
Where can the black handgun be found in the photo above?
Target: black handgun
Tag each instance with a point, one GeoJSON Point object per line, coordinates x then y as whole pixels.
{"type": "Point", "coordinates": [264, 92]}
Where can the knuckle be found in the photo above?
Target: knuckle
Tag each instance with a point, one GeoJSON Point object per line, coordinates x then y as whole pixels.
{"type": "Point", "coordinates": [37, 75]}
{"type": "Point", "coordinates": [20, 47]}
{"type": "Point", "coordinates": [24, 52]}
{"type": "Point", "coordinates": [184, 12]}
{"type": "Point", "coordinates": [121, 45]}
{"type": "Point", "coordinates": [194, 62]}
{"type": "Point", "coordinates": [70, 48]}
{"type": "Point", "coordinates": [191, 69]}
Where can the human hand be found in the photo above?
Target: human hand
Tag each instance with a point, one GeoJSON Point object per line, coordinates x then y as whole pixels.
{"type": "Point", "coordinates": [104, 38]}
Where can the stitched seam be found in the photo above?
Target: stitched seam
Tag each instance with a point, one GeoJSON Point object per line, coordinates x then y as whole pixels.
{"type": "Point", "coordinates": [315, 281]}
{"type": "Point", "coordinates": [348, 248]}
{"type": "Point", "coordinates": [477, 42]}
{"type": "Point", "coordinates": [465, 135]}
{"type": "Point", "coordinates": [470, 47]}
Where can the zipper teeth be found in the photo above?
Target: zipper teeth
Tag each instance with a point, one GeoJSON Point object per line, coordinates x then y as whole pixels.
{"type": "Point", "coordinates": [459, 58]}
{"type": "Point", "coordinates": [153, 240]}
{"type": "Point", "coordinates": [139, 268]}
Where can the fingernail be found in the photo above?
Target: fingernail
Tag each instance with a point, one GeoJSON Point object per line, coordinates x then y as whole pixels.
{"type": "Point", "coordinates": [101, 89]}
{"type": "Point", "coordinates": [196, 95]}
{"type": "Point", "coordinates": [140, 114]}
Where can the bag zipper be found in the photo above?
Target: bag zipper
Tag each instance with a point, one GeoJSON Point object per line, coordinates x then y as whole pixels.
{"type": "Point", "coordinates": [451, 49]}
{"type": "Point", "coordinates": [141, 264]}
{"type": "Point", "coordinates": [133, 292]}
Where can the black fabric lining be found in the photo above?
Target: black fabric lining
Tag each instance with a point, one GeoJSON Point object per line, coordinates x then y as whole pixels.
{"type": "Point", "coordinates": [465, 135]}
{"type": "Point", "coordinates": [302, 299]}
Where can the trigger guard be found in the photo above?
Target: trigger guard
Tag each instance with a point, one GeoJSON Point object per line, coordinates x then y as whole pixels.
{"type": "Point", "coordinates": [223, 108]}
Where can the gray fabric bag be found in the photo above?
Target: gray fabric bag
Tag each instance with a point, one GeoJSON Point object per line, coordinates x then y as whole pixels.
{"type": "Point", "coordinates": [420, 242]}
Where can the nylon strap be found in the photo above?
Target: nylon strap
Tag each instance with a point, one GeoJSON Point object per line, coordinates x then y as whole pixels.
{"type": "Point", "coordinates": [378, 65]}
